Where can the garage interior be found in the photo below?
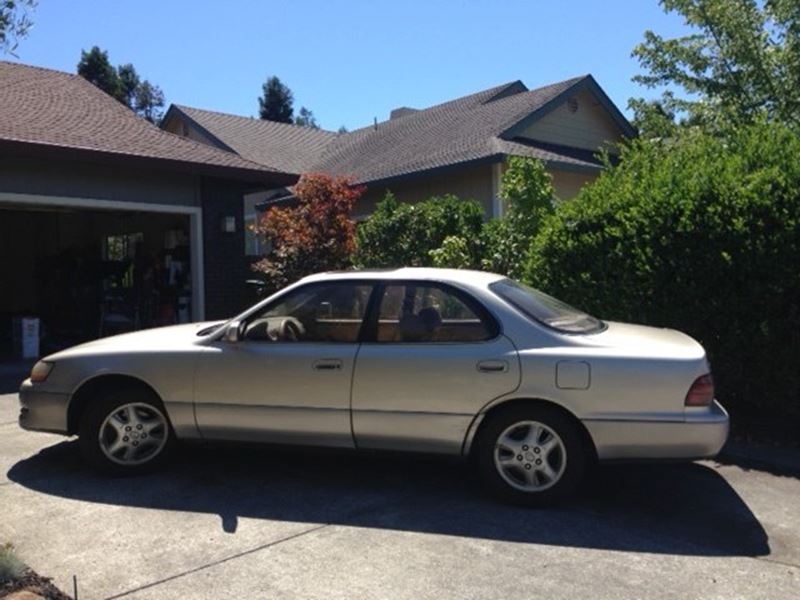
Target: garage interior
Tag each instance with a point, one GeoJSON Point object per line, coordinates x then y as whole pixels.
{"type": "Point", "coordinates": [86, 273]}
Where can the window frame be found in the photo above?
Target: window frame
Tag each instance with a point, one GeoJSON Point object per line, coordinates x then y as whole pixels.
{"type": "Point", "coordinates": [369, 329]}
{"type": "Point", "coordinates": [373, 284]}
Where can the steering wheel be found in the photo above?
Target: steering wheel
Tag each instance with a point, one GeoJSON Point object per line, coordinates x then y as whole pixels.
{"type": "Point", "coordinates": [290, 330]}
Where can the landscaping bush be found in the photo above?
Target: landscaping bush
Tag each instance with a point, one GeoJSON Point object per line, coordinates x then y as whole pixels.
{"type": "Point", "coordinates": [455, 253]}
{"type": "Point", "coordinates": [446, 231]}
{"type": "Point", "coordinates": [403, 235]}
{"type": "Point", "coordinates": [527, 190]}
{"type": "Point", "coordinates": [11, 567]}
{"type": "Point", "coordinates": [317, 235]}
{"type": "Point", "coordinates": [701, 234]}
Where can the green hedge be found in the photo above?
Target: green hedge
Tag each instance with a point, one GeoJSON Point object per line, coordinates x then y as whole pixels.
{"type": "Point", "coordinates": [700, 234]}
{"type": "Point", "coordinates": [400, 234]}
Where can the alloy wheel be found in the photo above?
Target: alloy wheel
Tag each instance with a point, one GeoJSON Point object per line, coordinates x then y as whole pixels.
{"type": "Point", "coordinates": [133, 434]}
{"type": "Point", "coordinates": [530, 456]}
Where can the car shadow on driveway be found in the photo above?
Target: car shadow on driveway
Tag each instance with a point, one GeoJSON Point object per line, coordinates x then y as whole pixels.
{"type": "Point", "coordinates": [668, 509]}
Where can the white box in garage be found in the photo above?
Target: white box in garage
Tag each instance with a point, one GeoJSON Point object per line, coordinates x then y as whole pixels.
{"type": "Point", "coordinates": [26, 337]}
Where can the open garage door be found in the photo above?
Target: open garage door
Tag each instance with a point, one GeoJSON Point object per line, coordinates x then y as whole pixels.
{"type": "Point", "coordinates": [88, 269]}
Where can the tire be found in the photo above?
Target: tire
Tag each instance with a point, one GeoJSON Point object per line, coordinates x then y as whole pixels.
{"type": "Point", "coordinates": [125, 431]}
{"type": "Point", "coordinates": [512, 441]}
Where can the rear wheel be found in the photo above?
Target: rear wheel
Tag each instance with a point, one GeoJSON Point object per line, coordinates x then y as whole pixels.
{"type": "Point", "coordinates": [125, 431]}
{"type": "Point", "coordinates": [531, 455]}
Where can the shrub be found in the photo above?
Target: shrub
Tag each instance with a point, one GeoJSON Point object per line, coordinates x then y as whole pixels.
{"type": "Point", "coordinates": [402, 234]}
{"type": "Point", "coordinates": [527, 190]}
{"type": "Point", "coordinates": [317, 235]}
{"type": "Point", "coordinates": [11, 567]}
{"type": "Point", "coordinates": [454, 253]}
{"type": "Point", "coordinates": [701, 234]}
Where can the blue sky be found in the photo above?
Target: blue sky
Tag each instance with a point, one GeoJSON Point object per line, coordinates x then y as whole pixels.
{"type": "Point", "coordinates": [355, 60]}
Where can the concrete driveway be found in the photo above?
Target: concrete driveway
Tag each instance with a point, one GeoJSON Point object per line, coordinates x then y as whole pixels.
{"type": "Point", "coordinates": [254, 523]}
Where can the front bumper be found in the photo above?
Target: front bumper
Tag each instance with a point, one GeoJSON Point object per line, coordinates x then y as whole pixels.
{"type": "Point", "coordinates": [700, 435]}
{"type": "Point", "coordinates": [42, 410]}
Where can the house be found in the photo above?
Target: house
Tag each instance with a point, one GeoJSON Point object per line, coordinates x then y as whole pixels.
{"type": "Point", "coordinates": [107, 222]}
{"type": "Point", "coordinates": [457, 147]}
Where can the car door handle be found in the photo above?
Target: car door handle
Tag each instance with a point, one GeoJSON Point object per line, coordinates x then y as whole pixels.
{"type": "Point", "coordinates": [492, 366]}
{"type": "Point", "coordinates": [327, 364]}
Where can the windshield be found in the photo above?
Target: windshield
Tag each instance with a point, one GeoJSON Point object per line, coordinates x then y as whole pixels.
{"type": "Point", "coordinates": [545, 309]}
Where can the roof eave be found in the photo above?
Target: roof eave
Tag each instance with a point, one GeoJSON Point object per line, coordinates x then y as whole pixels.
{"type": "Point", "coordinates": [54, 151]}
{"type": "Point", "coordinates": [561, 165]}
{"type": "Point", "coordinates": [489, 158]}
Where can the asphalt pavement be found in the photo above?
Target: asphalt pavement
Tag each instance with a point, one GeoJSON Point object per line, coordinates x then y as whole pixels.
{"type": "Point", "coordinates": [249, 522]}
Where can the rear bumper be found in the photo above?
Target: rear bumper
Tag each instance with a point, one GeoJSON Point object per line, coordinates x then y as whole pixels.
{"type": "Point", "coordinates": [700, 435]}
{"type": "Point", "coordinates": [42, 411]}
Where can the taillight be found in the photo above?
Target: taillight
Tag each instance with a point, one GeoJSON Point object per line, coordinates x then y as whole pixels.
{"type": "Point", "coordinates": [702, 391]}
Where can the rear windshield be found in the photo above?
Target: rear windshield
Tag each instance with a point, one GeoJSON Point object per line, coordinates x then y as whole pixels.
{"type": "Point", "coordinates": [546, 309]}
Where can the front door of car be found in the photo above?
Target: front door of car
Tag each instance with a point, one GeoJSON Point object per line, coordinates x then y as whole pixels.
{"type": "Point", "coordinates": [287, 379]}
{"type": "Point", "coordinates": [433, 358]}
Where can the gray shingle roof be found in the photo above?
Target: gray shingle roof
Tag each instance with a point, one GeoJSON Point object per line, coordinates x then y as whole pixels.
{"type": "Point", "coordinates": [466, 129]}
{"type": "Point", "coordinates": [282, 146]}
{"type": "Point", "coordinates": [461, 130]}
{"type": "Point", "coordinates": [53, 110]}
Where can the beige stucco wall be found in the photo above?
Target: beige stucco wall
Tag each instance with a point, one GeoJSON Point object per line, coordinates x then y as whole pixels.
{"type": "Point", "coordinates": [589, 127]}
{"type": "Point", "coordinates": [469, 183]}
{"type": "Point", "coordinates": [567, 184]}
{"type": "Point", "coordinates": [473, 182]}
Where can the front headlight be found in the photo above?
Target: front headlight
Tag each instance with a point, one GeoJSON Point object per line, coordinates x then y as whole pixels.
{"type": "Point", "coordinates": [40, 371]}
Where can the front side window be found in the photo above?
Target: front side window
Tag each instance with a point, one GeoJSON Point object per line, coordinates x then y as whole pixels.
{"type": "Point", "coordinates": [545, 309]}
{"type": "Point", "coordinates": [421, 312]}
{"type": "Point", "coordinates": [313, 313]}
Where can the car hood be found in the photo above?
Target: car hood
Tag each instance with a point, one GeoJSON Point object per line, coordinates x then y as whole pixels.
{"type": "Point", "coordinates": [640, 340]}
{"type": "Point", "coordinates": [173, 336]}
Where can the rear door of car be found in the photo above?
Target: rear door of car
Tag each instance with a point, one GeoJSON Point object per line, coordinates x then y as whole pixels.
{"type": "Point", "coordinates": [431, 357]}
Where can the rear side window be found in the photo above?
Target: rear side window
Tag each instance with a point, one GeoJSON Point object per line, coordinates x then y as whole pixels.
{"type": "Point", "coordinates": [545, 309]}
{"type": "Point", "coordinates": [423, 312]}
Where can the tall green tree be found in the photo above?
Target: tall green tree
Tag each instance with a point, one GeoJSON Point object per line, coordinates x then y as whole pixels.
{"type": "Point", "coordinates": [122, 83]}
{"type": "Point", "coordinates": [15, 23]}
{"type": "Point", "coordinates": [95, 67]}
{"type": "Point", "coordinates": [148, 101]}
{"type": "Point", "coordinates": [129, 82]}
{"type": "Point", "coordinates": [276, 102]}
{"type": "Point", "coordinates": [742, 61]}
{"type": "Point", "coordinates": [306, 118]}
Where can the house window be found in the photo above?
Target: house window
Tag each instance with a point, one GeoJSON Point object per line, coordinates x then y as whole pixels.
{"type": "Point", "coordinates": [252, 243]}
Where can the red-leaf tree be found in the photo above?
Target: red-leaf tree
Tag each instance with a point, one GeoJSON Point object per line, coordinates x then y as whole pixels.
{"type": "Point", "coordinates": [316, 235]}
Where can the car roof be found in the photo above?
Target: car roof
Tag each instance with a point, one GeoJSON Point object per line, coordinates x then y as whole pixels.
{"type": "Point", "coordinates": [462, 276]}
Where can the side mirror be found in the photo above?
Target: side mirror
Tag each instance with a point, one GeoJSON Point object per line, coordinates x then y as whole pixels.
{"type": "Point", "coordinates": [232, 332]}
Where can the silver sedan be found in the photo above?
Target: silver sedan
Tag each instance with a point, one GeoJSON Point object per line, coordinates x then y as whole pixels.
{"type": "Point", "coordinates": [421, 360]}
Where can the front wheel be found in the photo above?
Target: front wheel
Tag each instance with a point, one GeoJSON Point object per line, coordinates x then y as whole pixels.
{"type": "Point", "coordinates": [125, 432]}
{"type": "Point", "coordinates": [531, 455]}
